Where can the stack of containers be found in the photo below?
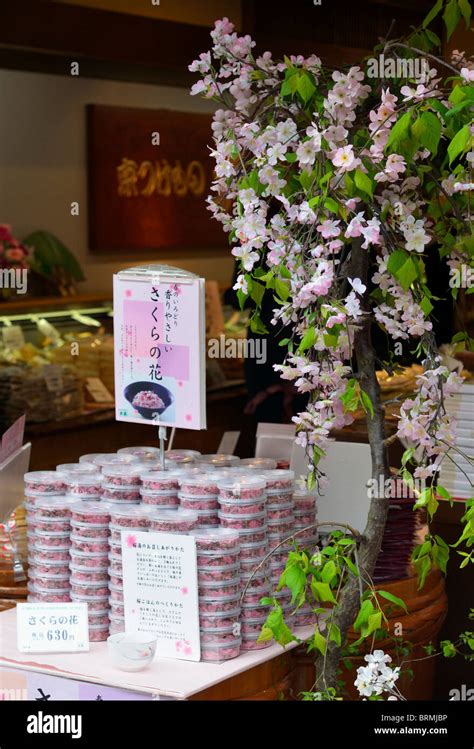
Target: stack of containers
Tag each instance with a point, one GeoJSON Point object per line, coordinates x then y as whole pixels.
{"type": "Point", "coordinates": [242, 509]}
{"type": "Point", "coordinates": [144, 454]}
{"type": "Point", "coordinates": [199, 492]}
{"type": "Point", "coordinates": [121, 481]}
{"type": "Point", "coordinates": [39, 484]}
{"type": "Point", "coordinates": [89, 563]}
{"type": "Point", "coordinates": [218, 560]}
{"type": "Point", "coordinates": [49, 575]}
{"type": "Point", "coordinates": [281, 518]}
{"type": "Point", "coordinates": [160, 488]}
{"type": "Point", "coordinates": [123, 517]}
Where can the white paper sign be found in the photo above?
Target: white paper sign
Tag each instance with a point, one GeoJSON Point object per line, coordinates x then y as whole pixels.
{"type": "Point", "coordinates": [161, 592]}
{"type": "Point", "coordinates": [228, 443]}
{"type": "Point", "coordinates": [52, 627]}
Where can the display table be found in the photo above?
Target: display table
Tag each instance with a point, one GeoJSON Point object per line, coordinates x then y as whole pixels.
{"type": "Point", "coordinates": [251, 675]}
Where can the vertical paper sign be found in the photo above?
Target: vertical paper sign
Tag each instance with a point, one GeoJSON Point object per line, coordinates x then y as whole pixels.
{"type": "Point", "coordinates": [160, 350]}
{"type": "Point", "coordinates": [160, 591]}
{"type": "Point", "coordinates": [12, 439]}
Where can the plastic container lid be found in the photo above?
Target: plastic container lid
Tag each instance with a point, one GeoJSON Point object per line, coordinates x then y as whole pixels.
{"type": "Point", "coordinates": [219, 583]}
{"type": "Point", "coordinates": [159, 492]}
{"type": "Point", "coordinates": [83, 479]}
{"type": "Point", "coordinates": [130, 511]}
{"type": "Point", "coordinates": [71, 469]}
{"type": "Point", "coordinates": [91, 508]}
{"type": "Point", "coordinates": [35, 588]}
{"type": "Point", "coordinates": [198, 497]}
{"type": "Point", "coordinates": [174, 516]}
{"type": "Point", "coordinates": [51, 534]}
{"type": "Point", "coordinates": [203, 478]}
{"type": "Point", "coordinates": [254, 545]}
{"type": "Point", "coordinates": [108, 459]}
{"type": "Point", "coordinates": [249, 531]}
{"type": "Point", "coordinates": [114, 573]}
{"type": "Point", "coordinates": [87, 583]}
{"type": "Point", "coordinates": [142, 452]}
{"type": "Point", "coordinates": [60, 502]}
{"type": "Point", "coordinates": [50, 575]}
{"type": "Point", "coordinates": [87, 554]}
{"type": "Point", "coordinates": [265, 464]}
{"type": "Point", "coordinates": [219, 460]}
{"type": "Point", "coordinates": [38, 546]}
{"type": "Point", "coordinates": [229, 628]}
{"type": "Point", "coordinates": [219, 568]}
{"type": "Point", "coordinates": [167, 475]}
{"type": "Point", "coordinates": [282, 506]}
{"type": "Point", "coordinates": [116, 604]}
{"type": "Point", "coordinates": [279, 474]}
{"type": "Point", "coordinates": [115, 527]}
{"type": "Point", "coordinates": [123, 470]}
{"type": "Point", "coordinates": [86, 526]}
{"type": "Point", "coordinates": [218, 534]}
{"type": "Point", "coordinates": [47, 562]}
{"type": "Point", "coordinates": [241, 502]}
{"type": "Point", "coordinates": [244, 516]}
{"type": "Point", "coordinates": [206, 513]}
{"type": "Point", "coordinates": [217, 599]}
{"type": "Point", "coordinates": [80, 568]}
{"type": "Point", "coordinates": [117, 588]}
{"type": "Point", "coordinates": [90, 457]}
{"type": "Point", "coordinates": [82, 597]}
{"type": "Point", "coordinates": [238, 484]}
{"type": "Point", "coordinates": [220, 615]}
{"type": "Point", "coordinates": [219, 645]}
{"type": "Point", "coordinates": [302, 492]}
{"type": "Point", "coordinates": [43, 477]}
{"type": "Point", "coordinates": [182, 456]}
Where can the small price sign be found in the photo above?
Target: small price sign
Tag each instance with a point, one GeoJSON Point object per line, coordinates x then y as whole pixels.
{"type": "Point", "coordinates": [52, 627]}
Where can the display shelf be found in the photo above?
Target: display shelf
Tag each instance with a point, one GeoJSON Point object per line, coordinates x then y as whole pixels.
{"type": "Point", "coordinates": [165, 677]}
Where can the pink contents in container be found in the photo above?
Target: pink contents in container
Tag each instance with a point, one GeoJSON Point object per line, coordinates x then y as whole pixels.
{"type": "Point", "coordinates": [123, 474]}
{"type": "Point", "coordinates": [115, 564]}
{"type": "Point", "coordinates": [86, 530]}
{"type": "Point", "coordinates": [52, 524]}
{"type": "Point", "coordinates": [89, 574]}
{"type": "Point", "coordinates": [208, 561]}
{"type": "Point", "coordinates": [41, 566]}
{"type": "Point", "coordinates": [98, 633]}
{"type": "Point", "coordinates": [130, 517]}
{"type": "Point", "coordinates": [219, 589]}
{"type": "Point", "coordinates": [251, 642]}
{"type": "Point", "coordinates": [218, 574]}
{"type": "Point", "coordinates": [219, 635]}
{"type": "Point", "coordinates": [166, 498]}
{"type": "Point", "coordinates": [97, 560]}
{"type": "Point", "coordinates": [93, 589]}
{"type": "Point", "coordinates": [242, 487]}
{"type": "Point", "coordinates": [95, 545]}
{"type": "Point", "coordinates": [93, 603]}
{"type": "Point", "coordinates": [219, 653]}
{"type": "Point", "coordinates": [158, 481]}
{"type": "Point", "coordinates": [173, 521]}
{"type": "Point", "coordinates": [117, 608]}
{"type": "Point", "coordinates": [49, 580]}
{"type": "Point", "coordinates": [44, 482]}
{"type": "Point", "coordinates": [53, 540]}
{"type": "Point", "coordinates": [182, 457]}
{"type": "Point", "coordinates": [220, 540]}
{"type": "Point", "coordinates": [116, 592]}
{"type": "Point", "coordinates": [224, 619]}
{"type": "Point", "coordinates": [243, 521]}
{"type": "Point", "coordinates": [280, 512]}
{"type": "Point", "coordinates": [99, 618]}
{"type": "Point", "coordinates": [282, 526]}
{"type": "Point", "coordinates": [255, 595]}
{"type": "Point", "coordinates": [201, 484]}
{"type": "Point", "coordinates": [116, 532]}
{"type": "Point", "coordinates": [83, 485]}
{"type": "Point", "coordinates": [304, 518]}
{"type": "Point", "coordinates": [250, 535]}
{"type": "Point", "coordinates": [242, 507]}
{"type": "Point", "coordinates": [53, 508]}
{"type": "Point", "coordinates": [198, 503]}
{"type": "Point", "coordinates": [46, 554]}
{"type": "Point", "coordinates": [45, 595]}
{"type": "Point", "coordinates": [123, 493]}
{"type": "Point", "coordinates": [218, 605]}
{"type": "Point", "coordinates": [280, 480]}
{"type": "Point", "coordinates": [208, 519]}
{"type": "Point", "coordinates": [92, 513]}
{"type": "Point", "coordinates": [116, 579]}
{"type": "Point", "coordinates": [275, 498]}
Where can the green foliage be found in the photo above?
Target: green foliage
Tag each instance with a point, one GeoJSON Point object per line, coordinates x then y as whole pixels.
{"type": "Point", "coordinates": [51, 255]}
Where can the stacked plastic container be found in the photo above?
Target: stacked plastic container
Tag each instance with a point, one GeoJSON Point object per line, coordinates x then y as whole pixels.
{"type": "Point", "coordinates": [160, 489]}
{"type": "Point", "coordinates": [199, 492]}
{"type": "Point", "coordinates": [305, 517]}
{"type": "Point", "coordinates": [218, 563]}
{"type": "Point", "coordinates": [123, 517]}
{"type": "Point", "coordinates": [280, 518]}
{"type": "Point", "coordinates": [121, 481]}
{"type": "Point", "coordinates": [217, 460]}
{"type": "Point", "coordinates": [89, 563]}
{"type": "Point", "coordinates": [49, 553]}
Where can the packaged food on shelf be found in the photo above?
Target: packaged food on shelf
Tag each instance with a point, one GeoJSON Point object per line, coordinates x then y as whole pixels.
{"type": "Point", "coordinates": [279, 480]}
{"type": "Point", "coordinates": [220, 540]}
{"type": "Point", "coordinates": [259, 464]}
{"type": "Point", "coordinates": [220, 653]}
{"type": "Point", "coordinates": [83, 485]}
{"type": "Point", "coordinates": [92, 513]}
{"type": "Point", "coordinates": [173, 521]}
{"type": "Point", "coordinates": [130, 517]}
{"type": "Point", "coordinates": [242, 487]}
{"type": "Point", "coordinates": [218, 460]}
{"type": "Point", "coordinates": [159, 481]}
{"type": "Point", "coordinates": [143, 453]}
{"type": "Point", "coordinates": [165, 498]}
{"type": "Point", "coordinates": [243, 521]}
{"type": "Point", "coordinates": [195, 502]}
{"type": "Point", "coordinates": [44, 482]}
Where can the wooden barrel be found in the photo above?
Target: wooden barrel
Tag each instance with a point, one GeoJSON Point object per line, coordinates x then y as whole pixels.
{"type": "Point", "coordinates": [420, 625]}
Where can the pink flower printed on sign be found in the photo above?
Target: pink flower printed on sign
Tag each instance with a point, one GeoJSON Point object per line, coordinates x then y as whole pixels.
{"type": "Point", "coordinates": [177, 289]}
{"type": "Point", "coordinates": [131, 540]}
{"type": "Point", "coordinates": [178, 645]}
{"type": "Point", "coordinates": [185, 591]}
{"type": "Point", "coordinates": [180, 383]}
{"type": "Point", "coordinates": [128, 293]}
{"type": "Point", "coordinates": [187, 650]}
{"type": "Point", "coordinates": [189, 417]}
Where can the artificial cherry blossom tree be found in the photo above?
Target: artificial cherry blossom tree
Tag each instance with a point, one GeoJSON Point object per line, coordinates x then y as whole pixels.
{"type": "Point", "coordinates": [334, 187]}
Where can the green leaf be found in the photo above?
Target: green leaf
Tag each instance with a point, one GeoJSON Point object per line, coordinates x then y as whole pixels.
{"type": "Point", "coordinates": [257, 326]}
{"type": "Point", "coordinates": [282, 289]}
{"type": "Point", "coordinates": [50, 254]}
{"type": "Point", "coordinates": [319, 642]}
{"type": "Point", "coordinates": [276, 624]}
{"type": "Point", "coordinates": [322, 592]}
{"type": "Point", "coordinates": [433, 13]}
{"type": "Point", "coordinates": [442, 492]}
{"type": "Point", "coordinates": [366, 610]}
{"type": "Point", "coordinates": [393, 599]}
{"type": "Point", "coordinates": [351, 566]}
{"type": "Point", "coordinates": [331, 205]}
{"type": "Point", "coordinates": [400, 130]}
{"type": "Point", "coordinates": [305, 87]}
{"type": "Point", "coordinates": [242, 298]}
{"type": "Point", "coordinates": [458, 143]}
{"type": "Point", "coordinates": [295, 579]}
{"type": "Point", "coordinates": [258, 290]}
{"type": "Point", "coordinates": [451, 16]}
{"type": "Point", "coordinates": [373, 624]}
{"type": "Point", "coordinates": [434, 38]}
{"type": "Point", "coordinates": [335, 634]}
{"type": "Point", "coordinates": [465, 8]}
{"type": "Point", "coordinates": [427, 129]}
{"type": "Point", "coordinates": [367, 403]}
{"type": "Point", "coordinates": [291, 157]}
{"type": "Point", "coordinates": [308, 340]}
{"type": "Point", "coordinates": [426, 306]}
{"type": "Point", "coordinates": [402, 267]}
{"type": "Point", "coordinates": [363, 182]}
{"type": "Point", "coordinates": [328, 572]}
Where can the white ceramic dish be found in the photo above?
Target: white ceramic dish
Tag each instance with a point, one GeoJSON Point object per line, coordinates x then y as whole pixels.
{"type": "Point", "coordinates": [131, 652]}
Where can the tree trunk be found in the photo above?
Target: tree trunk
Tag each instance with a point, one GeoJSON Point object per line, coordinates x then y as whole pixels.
{"type": "Point", "coordinates": [369, 546]}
